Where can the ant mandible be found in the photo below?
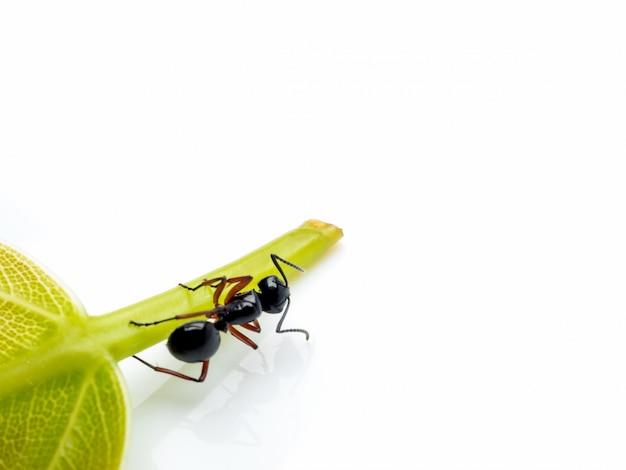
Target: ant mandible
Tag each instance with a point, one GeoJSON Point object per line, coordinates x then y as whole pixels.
{"type": "Point", "coordinates": [198, 341]}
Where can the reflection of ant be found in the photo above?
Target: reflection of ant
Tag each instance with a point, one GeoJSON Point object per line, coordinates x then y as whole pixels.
{"type": "Point", "coordinates": [198, 341]}
{"type": "Point", "coordinates": [248, 391]}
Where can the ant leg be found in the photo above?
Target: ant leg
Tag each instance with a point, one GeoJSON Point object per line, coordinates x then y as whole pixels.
{"type": "Point", "coordinates": [203, 373]}
{"type": "Point", "coordinates": [241, 337]}
{"type": "Point", "coordinates": [219, 287]}
{"type": "Point", "coordinates": [239, 283]}
{"type": "Point", "coordinates": [203, 313]}
{"type": "Point", "coordinates": [289, 330]}
{"type": "Point", "coordinates": [252, 326]}
{"type": "Point", "coordinates": [206, 282]}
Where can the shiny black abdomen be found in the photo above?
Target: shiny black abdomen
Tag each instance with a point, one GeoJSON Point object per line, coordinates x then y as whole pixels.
{"type": "Point", "coordinates": [195, 341]}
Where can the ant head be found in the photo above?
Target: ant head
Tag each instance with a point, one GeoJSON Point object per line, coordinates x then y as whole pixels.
{"type": "Point", "coordinates": [274, 294]}
{"type": "Point", "coordinates": [194, 341]}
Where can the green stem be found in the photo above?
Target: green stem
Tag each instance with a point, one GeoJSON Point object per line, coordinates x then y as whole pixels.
{"type": "Point", "coordinates": [302, 246]}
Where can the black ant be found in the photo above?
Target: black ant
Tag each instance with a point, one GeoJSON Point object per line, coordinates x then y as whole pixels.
{"type": "Point", "coordinates": [198, 341]}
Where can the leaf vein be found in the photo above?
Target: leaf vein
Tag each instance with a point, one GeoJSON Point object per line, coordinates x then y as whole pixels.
{"type": "Point", "coordinates": [72, 420]}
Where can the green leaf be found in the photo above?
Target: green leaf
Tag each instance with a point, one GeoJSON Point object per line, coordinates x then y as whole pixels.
{"type": "Point", "coordinates": [63, 403]}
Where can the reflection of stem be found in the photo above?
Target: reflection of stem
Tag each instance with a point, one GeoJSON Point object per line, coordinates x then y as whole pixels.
{"type": "Point", "coordinates": [302, 246]}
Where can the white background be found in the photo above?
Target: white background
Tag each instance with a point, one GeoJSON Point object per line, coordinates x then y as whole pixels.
{"type": "Point", "coordinates": [474, 315]}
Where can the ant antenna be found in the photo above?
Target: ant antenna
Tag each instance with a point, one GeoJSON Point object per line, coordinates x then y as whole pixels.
{"type": "Point", "coordinates": [275, 259]}
{"type": "Point", "coordinates": [289, 330]}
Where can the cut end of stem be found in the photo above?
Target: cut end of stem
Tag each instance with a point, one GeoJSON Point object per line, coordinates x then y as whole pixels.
{"type": "Point", "coordinates": [329, 230]}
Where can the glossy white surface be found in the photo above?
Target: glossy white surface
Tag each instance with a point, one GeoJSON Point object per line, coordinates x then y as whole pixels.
{"type": "Point", "coordinates": [473, 315]}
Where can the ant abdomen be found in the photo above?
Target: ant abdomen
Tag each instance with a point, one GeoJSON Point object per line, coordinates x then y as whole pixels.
{"type": "Point", "coordinates": [195, 341]}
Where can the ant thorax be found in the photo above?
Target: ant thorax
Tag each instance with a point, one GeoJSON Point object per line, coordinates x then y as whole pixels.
{"type": "Point", "coordinates": [244, 307]}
